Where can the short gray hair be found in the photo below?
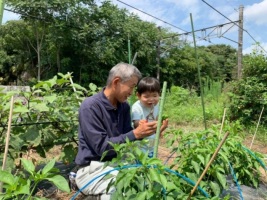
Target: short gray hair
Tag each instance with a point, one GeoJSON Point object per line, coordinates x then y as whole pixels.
{"type": "Point", "coordinates": [124, 71]}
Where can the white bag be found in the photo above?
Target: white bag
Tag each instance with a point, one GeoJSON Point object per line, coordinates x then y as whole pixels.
{"type": "Point", "coordinates": [98, 186]}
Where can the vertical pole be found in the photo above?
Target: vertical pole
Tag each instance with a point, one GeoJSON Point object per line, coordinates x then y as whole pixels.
{"type": "Point", "coordinates": [240, 43]}
{"type": "Point", "coordinates": [162, 99]}
{"type": "Point", "coordinates": [198, 70]}
{"type": "Point", "coordinates": [129, 49]}
{"type": "Point", "coordinates": [2, 5]}
{"type": "Point", "coordinates": [158, 55]}
{"type": "Point", "coordinates": [7, 139]}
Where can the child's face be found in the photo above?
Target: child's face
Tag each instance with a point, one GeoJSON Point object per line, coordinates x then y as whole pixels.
{"type": "Point", "coordinates": [149, 99]}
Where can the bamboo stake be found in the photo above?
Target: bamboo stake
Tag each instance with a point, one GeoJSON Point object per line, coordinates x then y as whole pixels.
{"type": "Point", "coordinates": [156, 145]}
{"type": "Point", "coordinates": [224, 112]}
{"type": "Point", "coordinates": [256, 127]}
{"type": "Point", "coordinates": [208, 165]}
{"type": "Point", "coordinates": [7, 139]}
{"type": "Point", "coordinates": [74, 89]}
{"type": "Point", "coordinates": [134, 58]}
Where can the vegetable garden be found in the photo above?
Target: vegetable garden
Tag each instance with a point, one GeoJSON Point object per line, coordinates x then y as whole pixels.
{"type": "Point", "coordinates": [202, 161]}
{"type": "Point", "coordinates": [47, 116]}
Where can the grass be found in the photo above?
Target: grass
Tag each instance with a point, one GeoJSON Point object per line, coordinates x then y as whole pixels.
{"type": "Point", "coordinates": [185, 112]}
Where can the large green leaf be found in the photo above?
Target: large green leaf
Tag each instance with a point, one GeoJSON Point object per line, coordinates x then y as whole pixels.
{"type": "Point", "coordinates": [28, 165]}
{"type": "Point", "coordinates": [60, 182]}
{"type": "Point", "coordinates": [154, 175]}
{"type": "Point", "coordinates": [222, 179]}
{"type": "Point", "coordinates": [20, 109]}
{"type": "Point", "coordinates": [201, 158]}
{"type": "Point", "coordinates": [6, 177]}
{"type": "Point", "coordinates": [69, 152]}
{"type": "Point", "coordinates": [41, 107]}
{"type": "Point", "coordinates": [23, 188]}
{"type": "Point", "coordinates": [32, 136]}
{"type": "Point", "coordinates": [196, 166]}
{"type": "Point", "coordinates": [48, 166]}
{"type": "Point", "coordinates": [51, 98]}
{"type": "Point", "coordinates": [215, 188]}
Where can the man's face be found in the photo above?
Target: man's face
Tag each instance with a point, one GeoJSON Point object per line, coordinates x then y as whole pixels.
{"type": "Point", "coordinates": [125, 89]}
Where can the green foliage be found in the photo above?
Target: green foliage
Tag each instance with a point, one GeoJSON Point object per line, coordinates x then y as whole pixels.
{"type": "Point", "coordinates": [43, 117]}
{"type": "Point", "coordinates": [65, 36]}
{"type": "Point", "coordinates": [184, 106]}
{"type": "Point", "coordinates": [194, 151]}
{"type": "Point", "coordinates": [146, 178]}
{"type": "Point", "coordinates": [22, 186]}
{"type": "Point", "coordinates": [248, 96]}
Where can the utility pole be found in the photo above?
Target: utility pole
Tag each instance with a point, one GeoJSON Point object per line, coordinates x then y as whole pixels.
{"type": "Point", "coordinates": [240, 43]}
{"type": "Point", "coordinates": [158, 54]}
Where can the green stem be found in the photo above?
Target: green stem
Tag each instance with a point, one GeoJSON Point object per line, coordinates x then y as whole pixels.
{"type": "Point", "coordinates": [129, 50]}
{"type": "Point", "coordinates": [2, 5]}
{"type": "Point", "coordinates": [35, 184]}
{"type": "Point", "coordinates": [198, 70]}
{"type": "Point", "coordinates": [159, 119]}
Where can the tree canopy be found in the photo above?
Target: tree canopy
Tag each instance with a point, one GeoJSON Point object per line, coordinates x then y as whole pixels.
{"type": "Point", "coordinates": [87, 38]}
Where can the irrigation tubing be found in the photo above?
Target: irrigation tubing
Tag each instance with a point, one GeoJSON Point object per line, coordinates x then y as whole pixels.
{"type": "Point", "coordinates": [138, 165]}
{"type": "Point", "coordinates": [236, 181]}
{"type": "Point", "coordinates": [246, 149]}
{"type": "Point", "coordinates": [232, 170]}
{"type": "Point", "coordinates": [253, 155]}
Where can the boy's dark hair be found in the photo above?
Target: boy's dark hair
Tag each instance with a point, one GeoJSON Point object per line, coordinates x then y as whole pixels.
{"type": "Point", "coordinates": [148, 84]}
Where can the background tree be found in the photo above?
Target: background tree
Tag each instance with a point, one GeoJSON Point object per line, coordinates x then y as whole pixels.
{"type": "Point", "coordinates": [249, 95]}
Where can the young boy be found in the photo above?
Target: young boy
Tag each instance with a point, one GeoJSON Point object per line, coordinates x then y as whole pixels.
{"type": "Point", "coordinates": [147, 108]}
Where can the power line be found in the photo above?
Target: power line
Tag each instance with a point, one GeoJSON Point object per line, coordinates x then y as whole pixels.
{"type": "Point", "coordinates": [151, 15]}
{"type": "Point", "coordinates": [235, 24]}
{"type": "Point", "coordinates": [160, 20]}
{"type": "Point", "coordinates": [216, 26]}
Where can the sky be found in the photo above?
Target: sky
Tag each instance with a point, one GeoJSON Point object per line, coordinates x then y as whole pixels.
{"type": "Point", "coordinates": [175, 16]}
{"type": "Point", "coordinates": [206, 14]}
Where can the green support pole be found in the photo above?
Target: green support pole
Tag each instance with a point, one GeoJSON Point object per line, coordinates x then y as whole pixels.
{"type": "Point", "coordinates": [161, 105]}
{"type": "Point", "coordinates": [198, 70]}
{"type": "Point", "coordinates": [129, 50]}
{"type": "Point", "coordinates": [2, 5]}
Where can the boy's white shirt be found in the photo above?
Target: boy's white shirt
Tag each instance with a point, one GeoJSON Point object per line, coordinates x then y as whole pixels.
{"type": "Point", "coordinates": [139, 111]}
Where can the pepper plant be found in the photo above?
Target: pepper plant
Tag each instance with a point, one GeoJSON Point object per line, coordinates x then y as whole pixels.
{"type": "Point", "coordinates": [144, 178]}
{"type": "Point", "coordinates": [194, 151]}
{"type": "Point", "coordinates": [23, 185]}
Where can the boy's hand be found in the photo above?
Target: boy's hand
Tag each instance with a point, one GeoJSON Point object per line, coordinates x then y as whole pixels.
{"type": "Point", "coordinates": [164, 125]}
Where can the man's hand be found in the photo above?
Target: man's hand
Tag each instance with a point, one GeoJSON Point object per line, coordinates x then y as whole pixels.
{"type": "Point", "coordinates": [145, 129]}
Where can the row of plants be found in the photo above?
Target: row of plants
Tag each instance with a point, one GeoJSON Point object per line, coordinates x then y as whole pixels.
{"type": "Point", "coordinates": [141, 177]}
{"type": "Point", "coordinates": [42, 118]}
{"type": "Point", "coordinates": [23, 184]}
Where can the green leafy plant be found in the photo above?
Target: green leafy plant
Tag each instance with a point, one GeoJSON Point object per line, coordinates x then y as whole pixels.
{"type": "Point", "coordinates": [43, 117]}
{"type": "Point", "coordinates": [194, 151]}
{"type": "Point", "coordinates": [143, 178]}
{"type": "Point", "coordinates": [23, 186]}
